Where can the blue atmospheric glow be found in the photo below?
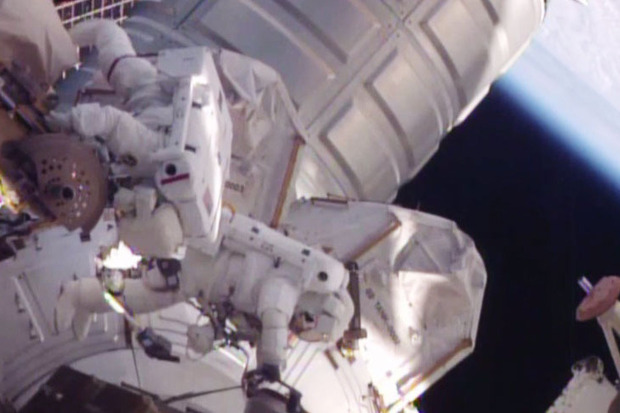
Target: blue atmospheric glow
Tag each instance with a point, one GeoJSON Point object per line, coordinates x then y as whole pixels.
{"type": "Point", "coordinates": [576, 115]}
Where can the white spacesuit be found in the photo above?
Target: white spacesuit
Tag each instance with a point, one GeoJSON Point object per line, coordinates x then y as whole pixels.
{"type": "Point", "coordinates": [177, 139]}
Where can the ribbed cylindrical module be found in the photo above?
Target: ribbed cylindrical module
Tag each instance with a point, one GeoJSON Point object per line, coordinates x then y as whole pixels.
{"type": "Point", "coordinates": [377, 83]}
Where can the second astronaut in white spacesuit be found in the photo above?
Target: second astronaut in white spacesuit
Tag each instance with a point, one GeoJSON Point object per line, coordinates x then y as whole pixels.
{"type": "Point", "coordinates": [174, 133]}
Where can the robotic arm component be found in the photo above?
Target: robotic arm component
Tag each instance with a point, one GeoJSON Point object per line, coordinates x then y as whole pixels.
{"type": "Point", "coordinates": [589, 390]}
{"type": "Point", "coordinates": [355, 332]}
{"type": "Point", "coordinates": [601, 303]}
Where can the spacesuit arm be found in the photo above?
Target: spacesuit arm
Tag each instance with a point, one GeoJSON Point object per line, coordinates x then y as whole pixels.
{"type": "Point", "coordinates": [124, 135]}
{"type": "Point", "coordinates": [117, 57]}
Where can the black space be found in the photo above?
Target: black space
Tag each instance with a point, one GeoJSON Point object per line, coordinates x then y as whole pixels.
{"type": "Point", "coordinates": [541, 218]}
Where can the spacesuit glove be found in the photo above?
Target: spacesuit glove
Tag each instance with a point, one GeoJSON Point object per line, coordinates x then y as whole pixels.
{"type": "Point", "coordinates": [329, 314]}
{"type": "Point", "coordinates": [340, 307]}
{"type": "Point", "coordinates": [59, 121]}
{"type": "Point", "coordinates": [86, 119]}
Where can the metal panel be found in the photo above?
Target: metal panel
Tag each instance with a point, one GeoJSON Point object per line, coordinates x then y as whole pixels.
{"type": "Point", "coordinates": [402, 7]}
{"type": "Point", "coordinates": [402, 107]}
{"type": "Point", "coordinates": [464, 52]}
{"type": "Point", "coordinates": [517, 19]}
{"type": "Point", "coordinates": [401, 90]}
{"type": "Point", "coordinates": [341, 25]}
{"type": "Point", "coordinates": [315, 45]}
{"type": "Point", "coordinates": [398, 108]}
{"type": "Point", "coordinates": [355, 141]}
{"type": "Point", "coordinates": [376, 83]}
{"type": "Point", "coordinates": [304, 70]}
{"type": "Point", "coordinates": [442, 66]}
{"type": "Point", "coordinates": [35, 362]}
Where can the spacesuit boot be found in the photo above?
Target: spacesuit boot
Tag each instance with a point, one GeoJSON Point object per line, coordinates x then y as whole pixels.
{"type": "Point", "coordinates": [80, 299]}
{"type": "Point", "coordinates": [269, 401]}
{"type": "Point", "coordinates": [76, 304]}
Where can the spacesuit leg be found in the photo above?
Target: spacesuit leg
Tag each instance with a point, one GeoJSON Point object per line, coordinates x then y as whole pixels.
{"type": "Point", "coordinates": [276, 304]}
{"type": "Point", "coordinates": [80, 299]}
{"type": "Point", "coordinates": [148, 230]}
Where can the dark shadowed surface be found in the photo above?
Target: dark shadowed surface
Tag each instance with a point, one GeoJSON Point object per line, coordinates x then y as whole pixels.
{"type": "Point", "coordinates": [541, 218]}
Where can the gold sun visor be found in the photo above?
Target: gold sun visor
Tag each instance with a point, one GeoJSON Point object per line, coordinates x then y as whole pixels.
{"type": "Point", "coordinates": [33, 37]}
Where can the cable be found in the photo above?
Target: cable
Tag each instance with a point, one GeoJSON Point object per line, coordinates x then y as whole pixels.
{"type": "Point", "coordinates": [192, 395]}
{"type": "Point", "coordinates": [140, 391]}
{"type": "Point", "coordinates": [135, 364]}
{"type": "Point", "coordinates": [170, 331]}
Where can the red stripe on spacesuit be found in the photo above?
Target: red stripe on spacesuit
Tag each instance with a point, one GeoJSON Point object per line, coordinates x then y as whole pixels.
{"type": "Point", "coordinates": [173, 179]}
{"type": "Point", "coordinates": [115, 62]}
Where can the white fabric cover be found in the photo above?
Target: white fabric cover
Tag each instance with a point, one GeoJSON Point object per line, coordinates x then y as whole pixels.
{"type": "Point", "coordinates": [32, 35]}
{"type": "Point", "coordinates": [265, 129]}
{"type": "Point", "coordinates": [421, 282]}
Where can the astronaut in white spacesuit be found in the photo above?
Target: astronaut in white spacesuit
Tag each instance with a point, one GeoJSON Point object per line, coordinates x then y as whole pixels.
{"type": "Point", "coordinates": [170, 138]}
{"type": "Point", "coordinates": [173, 136]}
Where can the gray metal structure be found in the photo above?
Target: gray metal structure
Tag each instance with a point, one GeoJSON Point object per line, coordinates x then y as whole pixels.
{"type": "Point", "coordinates": [377, 84]}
